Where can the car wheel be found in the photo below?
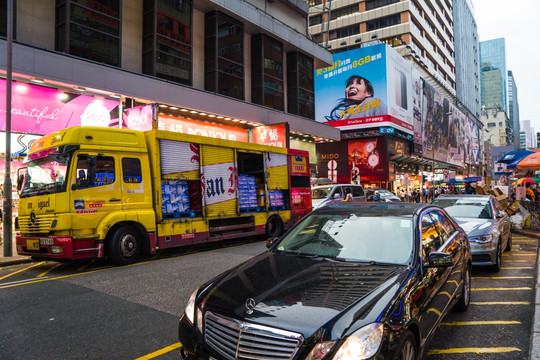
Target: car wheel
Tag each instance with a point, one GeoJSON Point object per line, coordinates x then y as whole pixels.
{"type": "Point", "coordinates": [498, 258]}
{"type": "Point", "coordinates": [274, 226]}
{"type": "Point", "coordinates": [463, 303]}
{"type": "Point", "coordinates": [406, 349]}
{"type": "Point", "coordinates": [124, 247]}
{"type": "Point", "coordinates": [509, 244]}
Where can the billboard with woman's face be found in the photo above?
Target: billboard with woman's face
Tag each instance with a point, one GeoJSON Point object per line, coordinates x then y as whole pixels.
{"type": "Point", "coordinates": [364, 88]}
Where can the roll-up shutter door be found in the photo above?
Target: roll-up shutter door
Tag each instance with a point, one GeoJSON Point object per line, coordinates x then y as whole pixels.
{"type": "Point", "coordinates": [218, 176]}
{"type": "Point", "coordinates": [179, 159]}
{"type": "Point", "coordinates": [276, 171]}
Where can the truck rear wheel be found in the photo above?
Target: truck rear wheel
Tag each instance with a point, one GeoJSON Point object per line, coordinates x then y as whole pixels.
{"type": "Point", "coordinates": [124, 247]}
{"type": "Point", "coordinates": [274, 226]}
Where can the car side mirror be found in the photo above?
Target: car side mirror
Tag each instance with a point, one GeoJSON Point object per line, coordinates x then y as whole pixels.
{"type": "Point", "coordinates": [271, 242]}
{"type": "Point", "coordinates": [440, 259]}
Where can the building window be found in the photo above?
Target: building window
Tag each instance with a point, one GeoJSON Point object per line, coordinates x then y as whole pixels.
{"type": "Point", "coordinates": [347, 31]}
{"type": "Point", "coordinates": [90, 30]}
{"type": "Point", "coordinates": [374, 4]}
{"type": "Point", "coordinates": [267, 71]}
{"type": "Point", "coordinates": [383, 22]}
{"type": "Point", "coordinates": [167, 39]}
{"type": "Point", "coordinates": [315, 20]}
{"type": "Point", "coordinates": [344, 11]}
{"type": "Point", "coordinates": [224, 55]}
{"type": "Point", "coordinates": [300, 93]}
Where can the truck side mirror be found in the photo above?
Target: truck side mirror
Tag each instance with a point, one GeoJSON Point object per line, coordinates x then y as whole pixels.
{"type": "Point", "coordinates": [20, 180]}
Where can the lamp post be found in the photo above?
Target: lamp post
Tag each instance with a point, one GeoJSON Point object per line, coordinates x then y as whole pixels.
{"type": "Point", "coordinates": [7, 197]}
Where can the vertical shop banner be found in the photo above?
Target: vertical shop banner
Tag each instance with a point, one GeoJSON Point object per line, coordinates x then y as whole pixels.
{"type": "Point", "coordinates": [138, 118]}
{"type": "Point", "coordinates": [366, 87]}
{"type": "Point", "coordinates": [367, 158]}
{"type": "Point", "coordinates": [40, 110]}
{"type": "Point", "coordinates": [417, 105]}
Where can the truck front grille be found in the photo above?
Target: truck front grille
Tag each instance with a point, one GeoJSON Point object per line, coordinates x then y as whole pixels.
{"type": "Point", "coordinates": [42, 225]}
{"type": "Point", "coordinates": [234, 339]}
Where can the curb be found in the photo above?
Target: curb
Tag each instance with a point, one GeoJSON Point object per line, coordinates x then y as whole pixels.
{"type": "Point", "coordinates": [534, 348]}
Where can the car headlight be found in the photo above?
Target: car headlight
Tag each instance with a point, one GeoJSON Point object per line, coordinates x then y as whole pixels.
{"type": "Point", "coordinates": [482, 239]}
{"type": "Point", "coordinates": [362, 344]}
{"type": "Point", "coordinates": [190, 307]}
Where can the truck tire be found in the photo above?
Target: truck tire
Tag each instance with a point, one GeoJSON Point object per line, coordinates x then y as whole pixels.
{"type": "Point", "coordinates": [274, 226]}
{"type": "Point", "coordinates": [124, 246]}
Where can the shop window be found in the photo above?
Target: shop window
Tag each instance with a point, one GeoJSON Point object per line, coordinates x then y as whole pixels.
{"type": "Point", "coordinates": [267, 71]}
{"type": "Point", "coordinates": [131, 170]}
{"type": "Point", "coordinates": [3, 18]}
{"type": "Point", "coordinates": [224, 55]}
{"type": "Point", "coordinates": [300, 93]}
{"type": "Point", "coordinates": [90, 30]}
{"type": "Point", "coordinates": [167, 40]}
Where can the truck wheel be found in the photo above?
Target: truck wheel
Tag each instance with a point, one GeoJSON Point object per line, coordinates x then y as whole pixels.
{"type": "Point", "coordinates": [124, 246]}
{"type": "Point", "coordinates": [274, 226]}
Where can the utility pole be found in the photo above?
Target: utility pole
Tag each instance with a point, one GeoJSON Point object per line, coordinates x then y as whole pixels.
{"type": "Point", "coordinates": [8, 217]}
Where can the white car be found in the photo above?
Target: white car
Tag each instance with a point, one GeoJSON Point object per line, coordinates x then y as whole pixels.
{"type": "Point", "coordinates": [331, 194]}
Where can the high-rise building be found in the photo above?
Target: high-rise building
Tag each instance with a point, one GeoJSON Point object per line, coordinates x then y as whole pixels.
{"type": "Point", "coordinates": [530, 134]}
{"type": "Point", "coordinates": [513, 107]}
{"type": "Point", "coordinates": [467, 57]}
{"type": "Point", "coordinates": [419, 30]}
{"type": "Point", "coordinates": [493, 74]}
{"type": "Point", "coordinates": [235, 64]}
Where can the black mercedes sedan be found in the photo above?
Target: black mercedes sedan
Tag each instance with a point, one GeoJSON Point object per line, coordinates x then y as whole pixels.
{"type": "Point", "coordinates": [360, 281]}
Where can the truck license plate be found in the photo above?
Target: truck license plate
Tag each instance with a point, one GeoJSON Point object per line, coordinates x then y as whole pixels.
{"type": "Point", "coordinates": [46, 241]}
{"type": "Point", "coordinates": [32, 244]}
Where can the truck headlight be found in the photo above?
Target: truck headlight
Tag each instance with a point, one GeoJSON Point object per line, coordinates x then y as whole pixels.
{"type": "Point", "coordinates": [362, 344]}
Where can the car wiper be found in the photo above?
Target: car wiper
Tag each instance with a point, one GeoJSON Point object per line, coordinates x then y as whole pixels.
{"type": "Point", "coordinates": [45, 187]}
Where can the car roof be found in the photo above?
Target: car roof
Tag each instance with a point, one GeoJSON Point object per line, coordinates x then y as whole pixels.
{"type": "Point", "coordinates": [365, 209]}
{"type": "Point", "coordinates": [331, 185]}
{"type": "Point", "coordinates": [464, 196]}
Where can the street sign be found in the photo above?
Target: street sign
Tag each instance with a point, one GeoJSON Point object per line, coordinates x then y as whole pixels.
{"type": "Point", "coordinates": [406, 175]}
{"type": "Point", "coordinates": [446, 172]}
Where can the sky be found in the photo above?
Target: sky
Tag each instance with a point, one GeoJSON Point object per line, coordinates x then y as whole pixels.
{"type": "Point", "coordinates": [518, 22]}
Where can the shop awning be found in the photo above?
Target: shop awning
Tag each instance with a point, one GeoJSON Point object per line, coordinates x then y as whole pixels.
{"type": "Point", "coordinates": [514, 156]}
{"type": "Point", "coordinates": [412, 160]}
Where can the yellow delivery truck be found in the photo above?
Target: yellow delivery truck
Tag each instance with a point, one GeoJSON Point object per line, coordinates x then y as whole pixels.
{"type": "Point", "coordinates": [90, 192]}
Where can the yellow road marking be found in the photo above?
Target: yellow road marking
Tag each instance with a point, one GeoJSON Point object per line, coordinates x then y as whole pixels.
{"type": "Point", "coordinates": [473, 350]}
{"type": "Point", "coordinates": [462, 323]}
{"type": "Point", "coordinates": [86, 265]}
{"type": "Point", "coordinates": [515, 261]}
{"type": "Point", "coordinates": [501, 303]}
{"type": "Point", "coordinates": [522, 254]}
{"type": "Point", "coordinates": [19, 271]}
{"type": "Point", "coordinates": [502, 277]}
{"type": "Point", "coordinates": [517, 268]}
{"type": "Point", "coordinates": [501, 289]}
{"type": "Point", "coordinates": [434, 310]}
{"type": "Point", "coordinates": [160, 352]}
{"type": "Point", "coordinates": [51, 269]}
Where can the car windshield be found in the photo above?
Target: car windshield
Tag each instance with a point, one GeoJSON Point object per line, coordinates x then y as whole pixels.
{"type": "Point", "coordinates": [321, 192]}
{"type": "Point", "coordinates": [46, 175]}
{"type": "Point", "coordinates": [467, 207]}
{"type": "Point", "coordinates": [379, 239]}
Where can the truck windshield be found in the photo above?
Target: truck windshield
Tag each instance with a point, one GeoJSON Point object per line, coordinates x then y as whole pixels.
{"type": "Point", "coordinates": [46, 175]}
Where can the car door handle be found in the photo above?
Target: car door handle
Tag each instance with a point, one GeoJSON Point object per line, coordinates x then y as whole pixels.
{"type": "Point", "coordinates": [114, 199]}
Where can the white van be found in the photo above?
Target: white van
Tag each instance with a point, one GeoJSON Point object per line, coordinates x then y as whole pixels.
{"type": "Point", "coordinates": [331, 194]}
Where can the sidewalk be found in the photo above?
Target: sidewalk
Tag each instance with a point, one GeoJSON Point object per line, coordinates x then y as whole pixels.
{"type": "Point", "coordinates": [14, 259]}
{"type": "Point", "coordinates": [534, 349]}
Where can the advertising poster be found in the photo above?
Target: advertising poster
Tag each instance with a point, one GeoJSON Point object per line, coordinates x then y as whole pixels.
{"type": "Point", "coordinates": [417, 105]}
{"type": "Point", "coordinates": [367, 158]}
{"type": "Point", "coordinates": [365, 87]}
{"type": "Point", "coordinates": [138, 118]}
{"type": "Point", "coordinates": [332, 162]}
{"type": "Point", "coordinates": [40, 110]}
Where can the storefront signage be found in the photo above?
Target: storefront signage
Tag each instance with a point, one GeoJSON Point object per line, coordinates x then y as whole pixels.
{"type": "Point", "coordinates": [275, 135]}
{"type": "Point", "coordinates": [138, 118]}
{"type": "Point", "coordinates": [20, 143]}
{"type": "Point", "coordinates": [185, 126]}
{"type": "Point", "coordinates": [40, 110]}
{"type": "Point", "coordinates": [387, 130]}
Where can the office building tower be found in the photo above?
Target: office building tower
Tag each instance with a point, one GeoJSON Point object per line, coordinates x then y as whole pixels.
{"type": "Point", "coordinates": [493, 74]}
{"type": "Point", "coordinates": [513, 107]}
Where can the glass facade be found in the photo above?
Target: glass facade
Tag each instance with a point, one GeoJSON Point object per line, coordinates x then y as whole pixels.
{"type": "Point", "coordinates": [89, 29]}
{"type": "Point", "coordinates": [493, 73]}
{"type": "Point", "coordinates": [267, 72]}
{"type": "Point", "coordinates": [300, 91]}
{"type": "Point", "coordinates": [513, 107]}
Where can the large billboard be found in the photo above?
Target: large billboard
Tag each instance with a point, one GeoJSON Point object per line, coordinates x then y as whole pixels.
{"type": "Point", "coordinates": [40, 110]}
{"type": "Point", "coordinates": [448, 134]}
{"type": "Point", "coordinates": [367, 87]}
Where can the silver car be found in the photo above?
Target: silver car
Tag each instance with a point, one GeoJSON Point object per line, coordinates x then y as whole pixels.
{"type": "Point", "coordinates": [332, 194]}
{"type": "Point", "coordinates": [485, 222]}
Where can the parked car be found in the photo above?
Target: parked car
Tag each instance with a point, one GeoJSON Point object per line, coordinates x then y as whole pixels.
{"type": "Point", "coordinates": [385, 195]}
{"type": "Point", "coordinates": [349, 281]}
{"type": "Point", "coordinates": [332, 194]}
{"type": "Point", "coordinates": [486, 223]}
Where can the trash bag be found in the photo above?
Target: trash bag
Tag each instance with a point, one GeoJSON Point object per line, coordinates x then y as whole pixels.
{"type": "Point", "coordinates": [517, 221]}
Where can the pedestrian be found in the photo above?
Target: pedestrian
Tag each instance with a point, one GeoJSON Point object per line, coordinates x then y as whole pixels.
{"type": "Point", "coordinates": [417, 196]}
{"type": "Point", "coordinates": [402, 195]}
{"type": "Point", "coordinates": [426, 195]}
{"type": "Point", "coordinates": [529, 194]}
{"type": "Point", "coordinates": [409, 195]}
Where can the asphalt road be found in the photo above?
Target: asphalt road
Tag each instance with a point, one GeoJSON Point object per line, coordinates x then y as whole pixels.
{"type": "Point", "coordinates": [90, 310]}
